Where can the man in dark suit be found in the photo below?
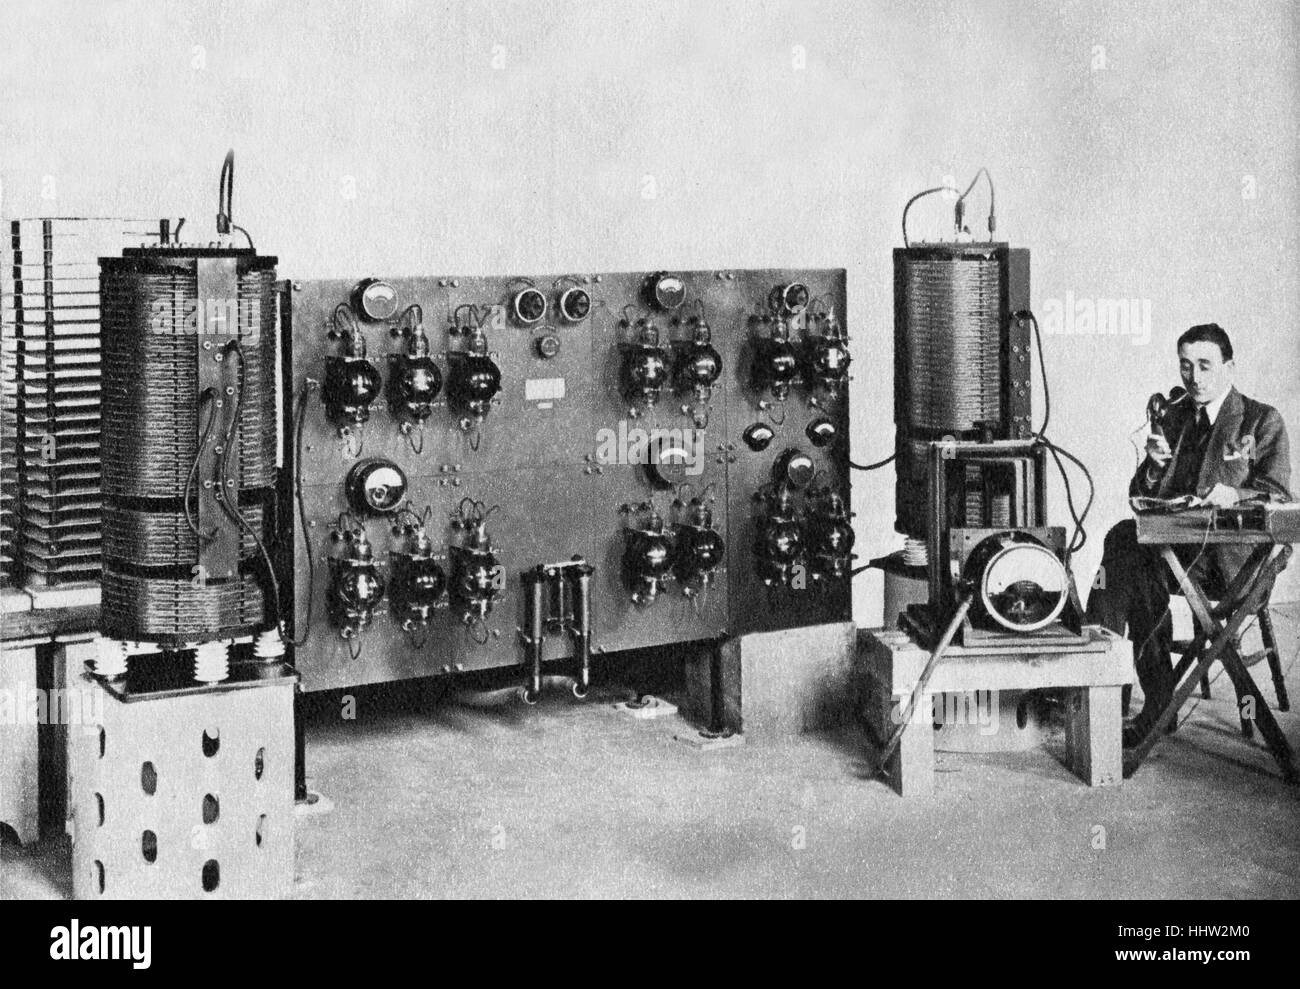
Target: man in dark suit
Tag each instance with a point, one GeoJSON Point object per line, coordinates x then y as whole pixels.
{"type": "Point", "coordinates": [1226, 449]}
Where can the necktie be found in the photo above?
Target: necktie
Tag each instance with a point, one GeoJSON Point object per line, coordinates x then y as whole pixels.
{"type": "Point", "coordinates": [1192, 454]}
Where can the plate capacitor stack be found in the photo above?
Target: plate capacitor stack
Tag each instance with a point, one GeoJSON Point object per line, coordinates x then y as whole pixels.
{"type": "Point", "coordinates": [190, 451]}
{"type": "Point", "coordinates": [51, 325]}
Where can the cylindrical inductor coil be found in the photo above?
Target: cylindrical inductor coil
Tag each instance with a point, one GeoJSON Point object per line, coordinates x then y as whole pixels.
{"type": "Point", "coordinates": [173, 611]}
{"type": "Point", "coordinates": [948, 351]}
{"type": "Point", "coordinates": [164, 539]}
{"type": "Point", "coordinates": [155, 331]}
{"type": "Point", "coordinates": [190, 393]}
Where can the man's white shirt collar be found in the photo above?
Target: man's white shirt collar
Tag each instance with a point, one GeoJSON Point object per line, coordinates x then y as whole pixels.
{"type": "Point", "coordinates": [1212, 408]}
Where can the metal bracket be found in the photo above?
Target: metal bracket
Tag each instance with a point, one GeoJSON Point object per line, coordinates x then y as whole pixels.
{"type": "Point", "coordinates": [217, 325]}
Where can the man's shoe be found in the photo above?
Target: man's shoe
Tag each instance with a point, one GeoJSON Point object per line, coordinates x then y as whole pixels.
{"type": "Point", "coordinates": [1136, 731]}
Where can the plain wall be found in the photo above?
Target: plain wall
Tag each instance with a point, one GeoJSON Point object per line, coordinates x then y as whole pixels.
{"type": "Point", "coordinates": [1141, 151]}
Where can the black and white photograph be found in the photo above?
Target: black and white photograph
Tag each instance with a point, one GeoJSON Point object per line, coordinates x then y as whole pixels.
{"type": "Point", "coordinates": [601, 450]}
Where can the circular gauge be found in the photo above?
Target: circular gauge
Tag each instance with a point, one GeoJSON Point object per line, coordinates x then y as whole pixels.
{"type": "Point", "coordinates": [375, 300]}
{"type": "Point", "coordinates": [820, 432]}
{"type": "Point", "coordinates": [665, 291]}
{"type": "Point", "coordinates": [794, 468]}
{"type": "Point", "coordinates": [548, 346]}
{"type": "Point", "coordinates": [758, 436]}
{"type": "Point", "coordinates": [670, 464]}
{"type": "Point", "coordinates": [530, 306]}
{"type": "Point", "coordinates": [789, 300]}
{"type": "Point", "coordinates": [1024, 586]}
{"type": "Point", "coordinates": [575, 304]}
{"type": "Point", "coordinates": [376, 486]}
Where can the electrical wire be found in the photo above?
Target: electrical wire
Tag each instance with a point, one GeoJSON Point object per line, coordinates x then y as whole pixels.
{"type": "Point", "coordinates": [307, 388]}
{"type": "Point", "coordinates": [877, 465]}
{"type": "Point", "coordinates": [961, 200]}
{"type": "Point", "coordinates": [1079, 537]}
{"type": "Point", "coordinates": [208, 395]}
{"type": "Point", "coordinates": [226, 194]}
{"type": "Point", "coordinates": [229, 493]}
{"type": "Point", "coordinates": [921, 195]}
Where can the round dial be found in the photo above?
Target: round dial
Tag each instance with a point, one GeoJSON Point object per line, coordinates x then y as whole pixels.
{"type": "Point", "coordinates": [788, 300]}
{"type": "Point", "coordinates": [530, 306]}
{"type": "Point", "coordinates": [820, 432]}
{"type": "Point", "coordinates": [666, 291]}
{"type": "Point", "coordinates": [758, 436]}
{"type": "Point", "coordinates": [376, 300]}
{"type": "Point", "coordinates": [794, 468]}
{"type": "Point", "coordinates": [1024, 587]}
{"type": "Point", "coordinates": [575, 304]}
{"type": "Point", "coordinates": [376, 486]}
{"type": "Point", "coordinates": [670, 464]}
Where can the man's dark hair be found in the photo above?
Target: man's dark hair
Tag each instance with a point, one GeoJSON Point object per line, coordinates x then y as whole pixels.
{"type": "Point", "coordinates": [1209, 333]}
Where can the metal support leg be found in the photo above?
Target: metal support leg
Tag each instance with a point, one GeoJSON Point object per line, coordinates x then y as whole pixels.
{"type": "Point", "coordinates": [299, 749]}
{"type": "Point", "coordinates": [582, 629]}
{"type": "Point", "coordinates": [534, 603]}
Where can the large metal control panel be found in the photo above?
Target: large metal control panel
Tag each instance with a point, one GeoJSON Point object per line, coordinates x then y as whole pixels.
{"type": "Point", "coordinates": [684, 433]}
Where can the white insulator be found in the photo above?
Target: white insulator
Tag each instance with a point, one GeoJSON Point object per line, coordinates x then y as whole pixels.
{"type": "Point", "coordinates": [110, 658]}
{"type": "Point", "coordinates": [212, 662]}
{"type": "Point", "coordinates": [269, 645]}
{"type": "Point", "coordinates": [915, 552]}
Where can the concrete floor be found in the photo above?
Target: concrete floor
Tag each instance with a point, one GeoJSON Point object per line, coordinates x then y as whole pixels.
{"type": "Point", "coordinates": [573, 800]}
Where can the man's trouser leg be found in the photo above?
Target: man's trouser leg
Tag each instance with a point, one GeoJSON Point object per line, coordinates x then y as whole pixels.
{"type": "Point", "coordinates": [1132, 592]}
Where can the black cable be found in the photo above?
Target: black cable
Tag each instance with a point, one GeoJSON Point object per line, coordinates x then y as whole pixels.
{"type": "Point", "coordinates": [877, 465]}
{"type": "Point", "coordinates": [208, 395]}
{"type": "Point", "coordinates": [302, 510]}
{"type": "Point", "coordinates": [921, 195]}
{"type": "Point", "coordinates": [1080, 535]}
{"type": "Point", "coordinates": [993, 223]}
{"type": "Point", "coordinates": [226, 194]}
{"type": "Point", "coordinates": [231, 491]}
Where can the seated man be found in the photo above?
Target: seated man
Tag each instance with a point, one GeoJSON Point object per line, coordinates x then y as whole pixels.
{"type": "Point", "coordinates": [1226, 448]}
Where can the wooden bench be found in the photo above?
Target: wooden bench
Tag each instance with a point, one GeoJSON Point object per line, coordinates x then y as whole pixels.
{"type": "Point", "coordinates": [1093, 673]}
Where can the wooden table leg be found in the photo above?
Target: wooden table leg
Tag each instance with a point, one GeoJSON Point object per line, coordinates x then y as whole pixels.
{"type": "Point", "coordinates": [1093, 734]}
{"type": "Point", "coordinates": [911, 768]}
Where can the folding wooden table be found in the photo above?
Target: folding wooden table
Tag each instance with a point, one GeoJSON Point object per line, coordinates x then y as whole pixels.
{"type": "Point", "coordinates": [1270, 529]}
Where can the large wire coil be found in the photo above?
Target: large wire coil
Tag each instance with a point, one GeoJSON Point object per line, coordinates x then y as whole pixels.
{"type": "Point", "coordinates": [165, 539]}
{"type": "Point", "coordinates": [157, 609]}
{"type": "Point", "coordinates": [152, 413]}
{"type": "Point", "coordinates": [951, 356]}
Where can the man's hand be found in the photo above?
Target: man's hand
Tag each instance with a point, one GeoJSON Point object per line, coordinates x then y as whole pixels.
{"type": "Point", "coordinates": [1158, 450]}
{"type": "Point", "coordinates": [1220, 496]}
